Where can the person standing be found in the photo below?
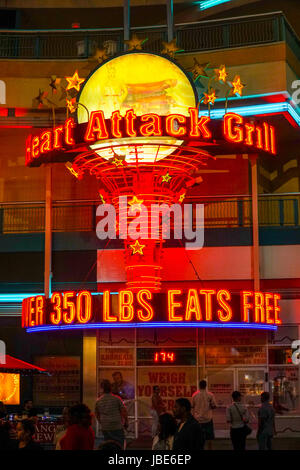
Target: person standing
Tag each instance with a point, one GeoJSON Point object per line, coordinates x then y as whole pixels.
{"type": "Point", "coordinates": [79, 434]}
{"type": "Point", "coordinates": [166, 429]}
{"type": "Point", "coordinates": [266, 423]}
{"type": "Point", "coordinates": [203, 402]}
{"type": "Point", "coordinates": [157, 408]}
{"type": "Point", "coordinates": [25, 433]}
{"type": "Point", "coordinates": [111, 414]}
{"type": "Point", "coordinates": [189, 435]}
{"type": "Point", "coordinates": [237, 415]}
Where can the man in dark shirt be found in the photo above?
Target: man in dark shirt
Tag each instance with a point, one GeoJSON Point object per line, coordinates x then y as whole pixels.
{"type": "Point", "coordinates": [266, 423]}
{"type": "Point", "coordinates": [189, 435]}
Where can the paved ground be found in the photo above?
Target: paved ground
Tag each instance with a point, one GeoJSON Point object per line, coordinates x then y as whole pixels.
{"type": "Point", "coordinates": [225, 444]}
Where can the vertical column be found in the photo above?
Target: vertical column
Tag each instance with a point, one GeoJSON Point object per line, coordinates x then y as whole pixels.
{"type": "Point", "coordinates": [170, 20]}
{"type": "Point", "coordinates": [255, 227]}
{"type": "Point", "coordinates": [126, 15]}
{"type": "Point", "coordinates": [48, 233]}
{"type": "Point", "coordinates": [89, 369]}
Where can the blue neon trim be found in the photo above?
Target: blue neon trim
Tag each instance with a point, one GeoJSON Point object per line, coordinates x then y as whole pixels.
{"type": "Point", "coordinates": [253, 326]}
{"type": "Point", "coordinates": [211, 3]}
{"type": "Point", "coordinates": [252, 110]}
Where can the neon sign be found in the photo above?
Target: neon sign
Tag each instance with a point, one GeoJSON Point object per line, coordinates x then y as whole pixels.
{"type": "Point", "coordinates": [195, 307]}
{"type": "Point", "coordinates": [235, 129]}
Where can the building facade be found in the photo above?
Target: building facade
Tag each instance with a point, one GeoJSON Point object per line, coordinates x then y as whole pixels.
{"type": "Point", "coordinates": [263, 48]}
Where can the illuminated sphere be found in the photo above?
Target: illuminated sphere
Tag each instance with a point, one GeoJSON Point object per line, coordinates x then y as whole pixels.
{"type": "Point", "coordinates": [146, 83]}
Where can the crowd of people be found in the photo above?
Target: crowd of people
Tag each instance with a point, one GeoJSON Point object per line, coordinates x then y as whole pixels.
{"type": "Point", "coordinates": [189, 428]}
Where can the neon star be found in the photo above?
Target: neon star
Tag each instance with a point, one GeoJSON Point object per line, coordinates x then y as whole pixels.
{"type": "Point", "coordinates": [74, 82]}
{"type": "Point", "coordinates": [118, 162]}
{"type": "Point", "coordinates": [166, 178]}
{"type": "Point", "coordinates": [71, 104]}
{"type": "Point", "coordinates": [71, 169]}
{"type": "Point", "coordinates": [210, 97]}
{"type": "Point", "coordinates": [135, 201]}
{"type": "Point", "coordinates": [135, 43]}
{"type": "Point", "coordinates": [102, 198]}
{"type": "Point", "coordinates": [199, 70]}
{"type": "Point", "coordinates": [181, 197]}
{"type": "Point", "coordinates": [170, 48]}
{"type": "Point", "coordinates": [137, 248]}
{"type": "Point", "coordinates": [221, 73]}
{"type": "Point", "coordinates": [237, 86]}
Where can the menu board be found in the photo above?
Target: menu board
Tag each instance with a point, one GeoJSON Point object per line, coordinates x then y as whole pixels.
{"type": "Point", "coordinates": [234, 355]}
{"type": "Point", "coordinates": [62, 387]}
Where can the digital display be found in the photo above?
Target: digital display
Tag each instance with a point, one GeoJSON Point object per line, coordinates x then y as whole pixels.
{"type": "Point", "coordinates": [166, 356]}
{"type": "Point", "coordinates": [163, 356]}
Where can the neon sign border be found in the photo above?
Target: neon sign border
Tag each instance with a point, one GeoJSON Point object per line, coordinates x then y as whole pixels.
{"type": "Point", "coordinates": [253, 326]}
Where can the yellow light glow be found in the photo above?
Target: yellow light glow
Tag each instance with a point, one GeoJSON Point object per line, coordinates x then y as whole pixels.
{"type": "Point", "coordinates": [146, 83]}
{"type": "Point", "coordinates": [10, 389]}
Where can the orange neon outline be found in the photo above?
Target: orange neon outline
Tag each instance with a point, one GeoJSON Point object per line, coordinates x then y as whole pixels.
{"type": "Point", "coordinates": [24, 313]}
{"type": "Point", "coordinates": [32, 311]}
{"type": "Point", "coordinates": [228, 128]}
{"type": "Point", "coordinates": [224, 305]}
{"type": "Point", "coordinates": [259, 307]}
{"type": "Point", "coordinates": [172, 305]}
{"type": "Point", "coordinates": [156, 125]}
{"type": "Point", "coordinates": [88, 306]}
{"type": "Point", "coordinates": [269, 308]}
{"type": "Point", "coordinates": [267, 136]}
{"type": "Point", "coordinates": [259, 138]}
{"type": "Point", "coordinates": [106, 308]}
{"type": "Point", "coordinates": [208, 302]}
{"type": "Point", "coordinates": [57, 134]}
{"type": "Point", "coordinates": [249, 128]}
{"type": "Point", "coordinates": [196, 124]}
{"type": "Point", "coordinates": [273, 140]}
{"type": "Point", "coordinates": [115, 124]}
{"type": "Point", "coordinates": [35, 149]}
{"type": "Point", "coordinates": [277, 309]}
{"type": "Point", "coordinates": [56, 297]}
{"type": "Point", "coordinates": [69, 317]}
{"type": "Point", "coordinates": [28, 157]}
{"type": "Point", "coordinates": [169, 124]}
{"type": "Point", "coordinates": [129, 123]}
{"type": "Point", "coordinates": [69, 125]}
{"type": "Point", "coordinates": [123, 304]}
{"type": "Point", "coordinates": [96, 124]}
{"type": "Point", "coordinates": [40, 309]}
{"type": "Point", "coordinates": [145, 305]}
{"type": "Point", "coordinates": [193, 306]}
{"type": "Point", "coordinates": [246, 306]}
{"type": "Point", "coordinates": [45, 146]}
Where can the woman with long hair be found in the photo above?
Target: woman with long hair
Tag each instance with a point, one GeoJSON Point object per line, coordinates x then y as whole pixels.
{"type": "Point", "coordinates": [166, 430]}
{"type": "Point", "coordinates": [79, 435]}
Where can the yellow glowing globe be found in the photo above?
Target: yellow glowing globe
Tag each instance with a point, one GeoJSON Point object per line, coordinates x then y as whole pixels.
{"type": "Point", "coordinates": [146, 83]}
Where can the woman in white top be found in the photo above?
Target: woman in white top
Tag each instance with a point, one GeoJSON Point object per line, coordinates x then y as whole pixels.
{"type": "Point", "coordinates": [238, 417]}
{"type": "Point", "coordinates": [165, 435]}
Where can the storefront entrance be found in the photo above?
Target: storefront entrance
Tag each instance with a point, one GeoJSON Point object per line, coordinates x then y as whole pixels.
{"type": "Point", "coordinates": [135, 360]}
{"type": "Point", "coordinates": [250, 381]}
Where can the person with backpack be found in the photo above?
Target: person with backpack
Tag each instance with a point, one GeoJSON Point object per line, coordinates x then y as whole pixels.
{"type": "Point", "coordinates": [238, 417]}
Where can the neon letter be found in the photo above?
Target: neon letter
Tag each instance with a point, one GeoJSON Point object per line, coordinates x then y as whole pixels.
{"type": "Point", "coordinates": [96, 126]}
